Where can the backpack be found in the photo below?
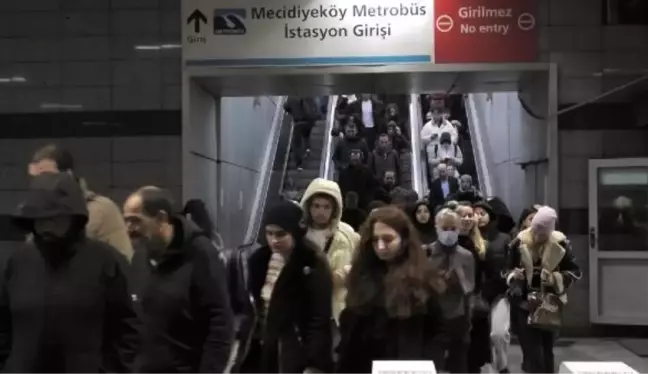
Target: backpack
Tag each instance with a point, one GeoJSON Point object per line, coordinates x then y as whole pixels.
{"type": "Point", "coordinates": [436, 150]}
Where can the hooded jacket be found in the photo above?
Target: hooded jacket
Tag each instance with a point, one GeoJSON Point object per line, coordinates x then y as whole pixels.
{"type": "Point", "coordinates": [343, 238]}
{"type": "Point", "coordinates": [65, 306]}
{"type": "Point", "coordinates": [184, 304]}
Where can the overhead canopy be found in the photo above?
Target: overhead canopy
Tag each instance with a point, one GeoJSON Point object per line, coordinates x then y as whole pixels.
{"type": "Point", "coordinates": [393, 79]}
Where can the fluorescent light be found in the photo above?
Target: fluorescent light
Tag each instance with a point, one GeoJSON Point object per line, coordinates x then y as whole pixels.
{"type": "Point", "coordinates": [60, 106]}
{"type": "Point", "coordinates": [15, 79]}
{"type": "Point", "coordinates": [148, 47]}
{"type": "Point", "coordinates": [171, 46]}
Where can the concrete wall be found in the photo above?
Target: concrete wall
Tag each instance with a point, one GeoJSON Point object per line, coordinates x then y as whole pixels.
{"type": "Point", "coordinates": [512, 137]}
{"type": "Point", "coordinates": [223, 146]}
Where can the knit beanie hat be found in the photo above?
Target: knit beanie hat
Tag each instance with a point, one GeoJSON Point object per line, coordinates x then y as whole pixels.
{"type": "Point", "coordinates": [544, 220]}
{"type": "Point", "coordinates": [289, 216]}
{"type": "Point", "coordinates": [486, 207]}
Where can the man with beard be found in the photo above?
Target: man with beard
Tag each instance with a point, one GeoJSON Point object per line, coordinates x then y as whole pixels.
{"type": "Point", "coordinates": [65, 305]}
{"type": "Point", "coordinates": [179, 285]}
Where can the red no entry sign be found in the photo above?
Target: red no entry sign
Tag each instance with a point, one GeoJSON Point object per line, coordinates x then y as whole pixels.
{"type": "Point", "coordinates": [485, 31]}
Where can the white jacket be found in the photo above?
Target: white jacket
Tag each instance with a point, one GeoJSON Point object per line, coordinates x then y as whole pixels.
{"type": "Point", "coordinates": [437, 153]}
{"type": "Point", "coordinates": [430, 129]}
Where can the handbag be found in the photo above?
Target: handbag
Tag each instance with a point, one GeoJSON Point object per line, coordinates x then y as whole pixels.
{"type": "Point", "coordinates": [545, 310]}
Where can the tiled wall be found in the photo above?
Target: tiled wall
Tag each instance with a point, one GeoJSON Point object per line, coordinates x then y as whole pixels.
{"type": "Point", "coordinates": [113, 167]}
{"type": "Point", "coordinates": [572, 35]}
{"type": "Point", "coordinates": [78, 56]}
{"type": "Point", "coordinates": [83, 53]}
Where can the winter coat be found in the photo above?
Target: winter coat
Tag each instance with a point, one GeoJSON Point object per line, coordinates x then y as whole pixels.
{"type": "Point", "coordinates": [297, 327]}
{"type": "Point", "coordinates": [494, 264]}
{"type": "Point", "coordinates": [366, 337]}
{"type": "Point", "coordinates": [556, 256]}
{"type": "Point", "coordinates": [188, 324]}
{"type": "Point", "coordinates": [65, 307]}
{"type": "Point", "coordinates": [380, 162]}
{"type": "Point", "coordinates": [343, 148]}
{"type": "Point", "coordinates": [360, 179]}
{"type": "Point", "coordinates": [431, 134]}
{"type": "Point", "coordinates": [343, 241]}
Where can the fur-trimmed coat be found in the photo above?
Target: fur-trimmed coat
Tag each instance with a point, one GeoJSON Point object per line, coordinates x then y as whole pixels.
{"type": "Point", "coordinates": [555, 255]}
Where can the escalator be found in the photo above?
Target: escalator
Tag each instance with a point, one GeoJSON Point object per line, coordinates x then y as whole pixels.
{"type": "Point", "coordinates": [408, 161]}
{"type": "Point", "coordinates": [279, 169]}
{"type": "Point", "coordinates": [455, 104]}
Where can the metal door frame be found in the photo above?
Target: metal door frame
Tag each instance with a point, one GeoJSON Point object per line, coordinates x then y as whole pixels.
{"type": "Point", "coordinates": [595, 256]}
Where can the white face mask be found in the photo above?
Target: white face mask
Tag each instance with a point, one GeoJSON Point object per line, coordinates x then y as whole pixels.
{"type": "Point", "coordinates": [448, 238]}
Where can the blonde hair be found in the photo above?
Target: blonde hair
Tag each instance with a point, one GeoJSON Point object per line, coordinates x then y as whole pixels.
{"type": "Point", "coordinates": [476, 236]}
{"type": "Point", "coordinates": [446, 213]}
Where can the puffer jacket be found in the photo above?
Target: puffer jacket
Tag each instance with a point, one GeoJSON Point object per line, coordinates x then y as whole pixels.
{"type": "Point", "coordinates": [343, 241]}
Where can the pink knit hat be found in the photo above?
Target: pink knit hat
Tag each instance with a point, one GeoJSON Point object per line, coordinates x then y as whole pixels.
{"type": "Point", "coordinates": [544, 221]}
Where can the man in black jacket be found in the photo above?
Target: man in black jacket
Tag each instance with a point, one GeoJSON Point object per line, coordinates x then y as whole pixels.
{"type": "Point", "coordinates": [180, 288]}
{"type": "Point", "coordinates": [65, 305]}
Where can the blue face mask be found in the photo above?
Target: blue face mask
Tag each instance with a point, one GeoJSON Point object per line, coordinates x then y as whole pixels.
{"type": "Point", "coordinates": [448, 238]}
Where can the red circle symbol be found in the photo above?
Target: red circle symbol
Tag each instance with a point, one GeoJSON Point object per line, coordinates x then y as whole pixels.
{"type": "Point", "coordinates": [444, 23]}
{"type": "Point", "coordinates": [526, 21]}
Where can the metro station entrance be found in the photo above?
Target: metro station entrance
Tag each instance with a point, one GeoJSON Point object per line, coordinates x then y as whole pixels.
{"type": "Point", "coordinates": [618, 240]}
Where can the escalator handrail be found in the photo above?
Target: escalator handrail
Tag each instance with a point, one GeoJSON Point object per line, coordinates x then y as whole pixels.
{"type": "Point", "coordinates": [415, 141]}
{"type": "Point", "coordinates": [326, 171]}
{"type": "Point", "coordinates": [417, 115]}
{"type": "Point", "coordinates": [269, 155]}
{"type": "Point", "coordinates": [477, 142]}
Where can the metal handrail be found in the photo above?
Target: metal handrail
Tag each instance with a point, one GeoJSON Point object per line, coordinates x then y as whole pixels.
{"type": "Point", "coordinates": [415, 142]}
{"type": "Point", "coordinates": [477, 142]}
{"type": "Point", "coordinates": [269, 155]}
{"type": "Point", "coordinates": [416, 115]}
{"type": "Point", "coordinates": [326, 171]}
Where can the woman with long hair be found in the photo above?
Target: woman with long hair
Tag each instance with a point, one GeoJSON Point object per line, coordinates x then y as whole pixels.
{"type": "Point", "coordinates": [541, 267]}
{"type": "Point", "coordinates": [479, 352]}
{"type": "Point", "coordinates": [392, 311]}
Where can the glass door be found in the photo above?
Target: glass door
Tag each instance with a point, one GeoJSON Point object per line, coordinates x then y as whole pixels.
{"type": "Point", "coordinates": [618, 241]}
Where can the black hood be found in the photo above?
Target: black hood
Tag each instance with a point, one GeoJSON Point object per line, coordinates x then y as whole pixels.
{"type": "Point", "coordinates": [51, 195]}
{"type": "Point", "coordinates": [505, 222]}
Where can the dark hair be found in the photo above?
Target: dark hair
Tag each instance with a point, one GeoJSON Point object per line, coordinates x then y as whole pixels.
{"type": "Point", "coordinates": [351, 199]}
{"type": "Point", "coordinates": [62, 158]}
{"type": "Point", "coordinates": [200, 216]}
{"type": "Point", "coordinates": [404, 288]}
{"type": "Point", "coordinates": [376, 204]}
{"type": "Point", "coordinates": [155, 200]}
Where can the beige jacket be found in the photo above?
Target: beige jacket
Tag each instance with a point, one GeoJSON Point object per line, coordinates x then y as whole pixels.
{"type": "Point", "coordinates": [345, 239]}
{"type": "Point", "coordinates": [106, 223]}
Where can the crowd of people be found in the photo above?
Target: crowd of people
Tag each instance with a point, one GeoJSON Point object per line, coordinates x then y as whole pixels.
{"type": "Point", "coordinates": [339, 279]}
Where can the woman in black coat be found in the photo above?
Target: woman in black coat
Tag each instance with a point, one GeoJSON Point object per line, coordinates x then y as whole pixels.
{"type": "Point", "coordinates": [288, 324]}
{"type": "Point", "coordinates": [423, 220]}
{"type": "Point", "coordinates": [392, 312]}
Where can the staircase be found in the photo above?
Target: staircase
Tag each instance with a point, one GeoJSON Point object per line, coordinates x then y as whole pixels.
{"type": "Point", "coordinates": [311, 164]}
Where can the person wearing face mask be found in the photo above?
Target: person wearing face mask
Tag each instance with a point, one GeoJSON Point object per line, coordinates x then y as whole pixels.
{"type": "Point", "coordinates": [64, 305]}
{"type": "Point", "coordinates": [289, 300]}
{"type": "Point", "coordinates": [467, 191]}
{"type": "Point", "coordinates": [457, 265]}
{"type": "Point", "coordinates": [179, 288]}
{"type": "Point", "coordinates": [343, 148]}
{"type": "Point", "coordinates": [392, 307]}
{"type": "Point", "coordinates": [424, 223]}
{"type": "Point", "coordinates": [540, 260]}
{"type": "Point", "coordinates": [384, 158]}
